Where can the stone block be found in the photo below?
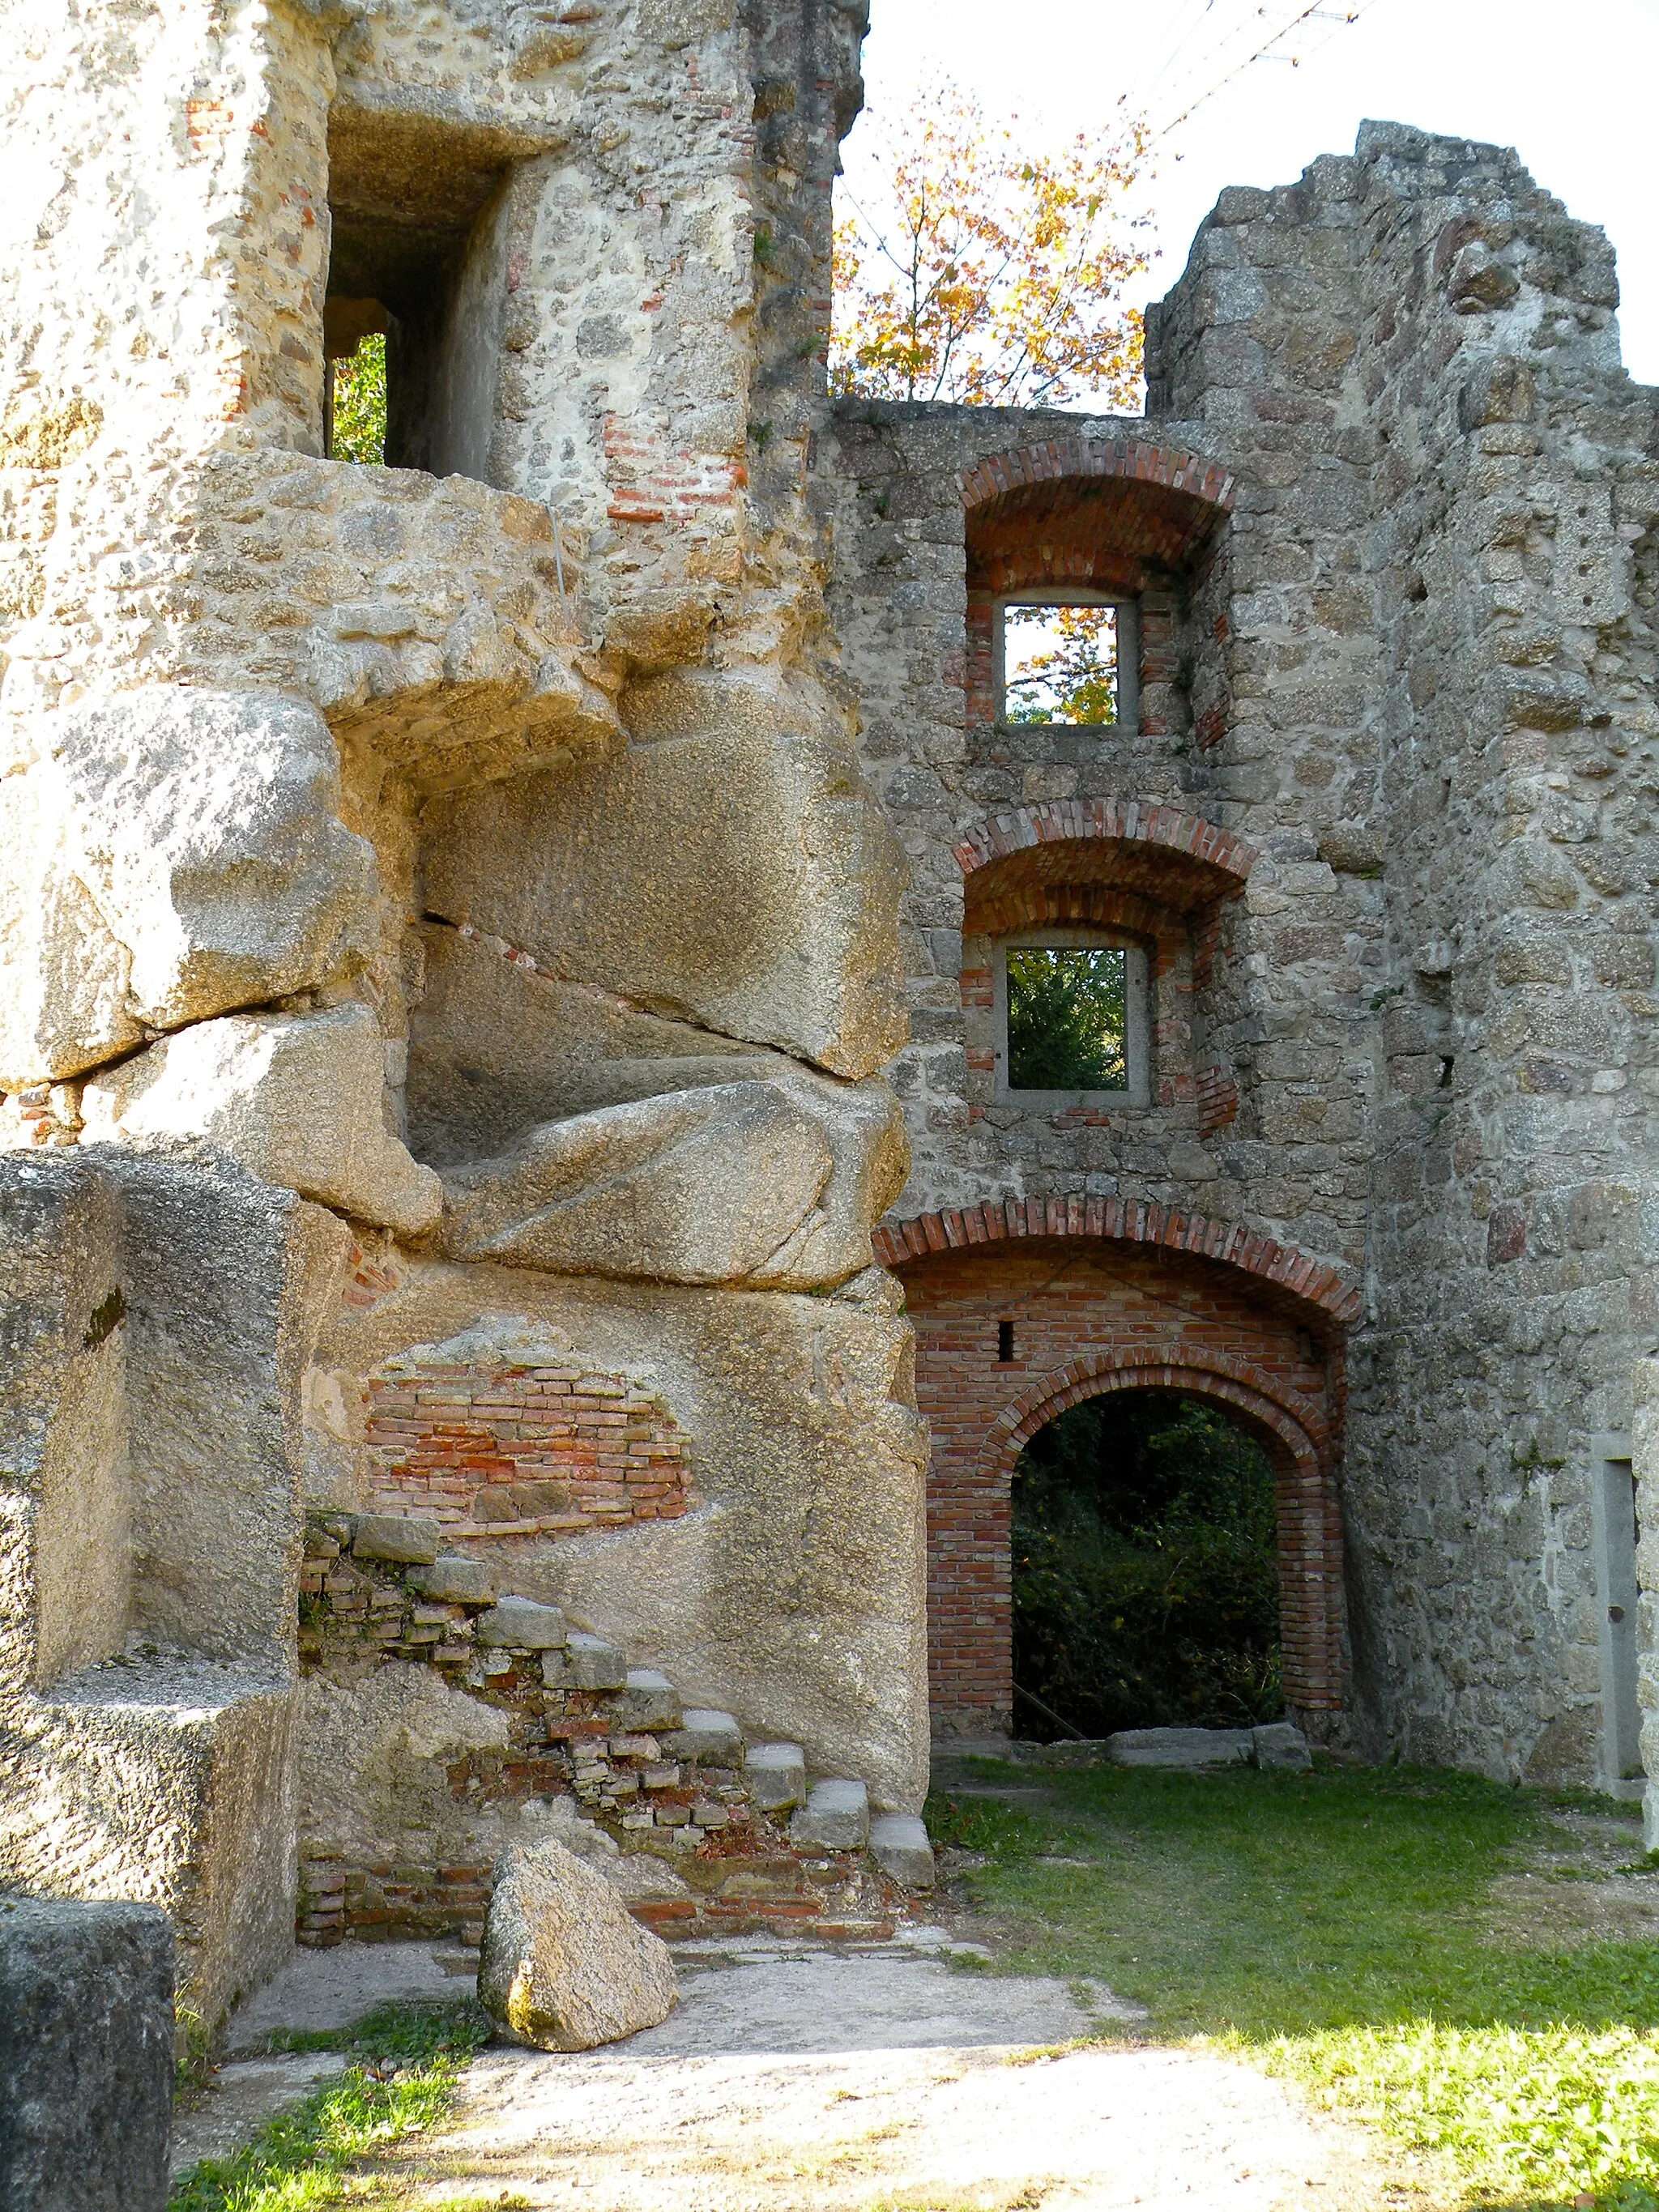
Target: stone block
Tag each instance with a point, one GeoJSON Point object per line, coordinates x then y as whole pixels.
{"type": "Point", "coordinates": [299, 1100]}
{"type": "Point", "coordinates": [776, 1775]}
{"type": "Point", "coordinates": [86, 2056]}
{"type": "Point", "coordinates": [899, 1846]}
{"type": "Point", "coordinates": [1281, 1744]}
{"type": "Point", "coordinates": [405, 1542]}
{"type": "Point", "coordinates": [452, 1579]}
{"type": "Point", "coordinates": [520, 1624]}
{"type": "Point", "coordinates": [1180, 1747]}
{"type": "Point", "coordinates": [593, 1663]}
{"type": "Point", "coordinates": [836, 1817]}
{"type": "Point", "coordinates": [649, 1701]}
{"type": "Point", "coordinates": [705, 1735]}
{"type": "Point", "coordinates": [206, 824]}
{"type": "Point", "coordinates": [564, 1966]}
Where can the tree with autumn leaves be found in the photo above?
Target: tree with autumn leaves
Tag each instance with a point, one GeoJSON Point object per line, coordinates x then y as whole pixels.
{"type": "Point", "coordinates": [986, 272]}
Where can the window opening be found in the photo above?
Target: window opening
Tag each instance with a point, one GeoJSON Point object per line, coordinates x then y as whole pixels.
{"type": "Point", "coordinates": [1004, 1342]}
{"type": "Point", "coordinates": [1072, 1019]}
{"type": "Point", "coordinates": [354, 394]}
{"type": "Point", "coordinates": [1066, 658]}
{"type": "Point", "coordinates": [1145, 1570]}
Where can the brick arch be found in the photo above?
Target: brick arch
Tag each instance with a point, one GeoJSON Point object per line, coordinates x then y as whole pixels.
{"type": "Point", "coordinates": [1308, 1528]}
{"type": "Point", "coordinates": [1120, 515]}
{"type": "Point", "coordinates": [1097, 1296]}
{"type": "Point", "coordinates": [1135, 1221]}
{"type": "Point", "coordinates": [1194, 862]}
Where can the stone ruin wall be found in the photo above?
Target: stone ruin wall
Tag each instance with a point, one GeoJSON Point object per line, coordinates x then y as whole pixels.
{"type": "Point", "coordinates": [390, 978]}
{"type": "Point", "coordinates": [1410, 673]}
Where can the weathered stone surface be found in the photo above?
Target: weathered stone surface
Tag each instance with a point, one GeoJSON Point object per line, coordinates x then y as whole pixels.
{"type": "Point", "coordinates": [63, 996]}
{"type": "Point", "coordinates": [778, 923]}
{"type": "Point", "coordinates": [452, 1580]}
{"type": "Point", "coordinates": [1182, 1747]}
{"type": "Point", "coordinates": [397, 1537]}
{"type": "Point", "coordinates": [836, 1816]}
{"type": "Point", "coordinates": [650, 1700]}
{"type": "Point", "coordinates": [776, 1775]}
{"type": "Point", "coordinates": [206, 826]}
{"type": "Point", "coordinates": [773, 1182]}
{"type": "Point", "coordinates": [713, 1737]}
{"type": "Point", "coordinates": [595, 1664]}
{"type": "Point", "coordinates": [899, 1845]}
{"type": "Point", "coordinates": [520, 1624]}
{"type": "Point", "coordinates": [564, 1966]}
{"type": "Point", "coordinates": [1280, 1744]}
{"type": "Point", "coordinates": [86, 2056]}
{"type": "Point", "coordinates": [297, 1100]}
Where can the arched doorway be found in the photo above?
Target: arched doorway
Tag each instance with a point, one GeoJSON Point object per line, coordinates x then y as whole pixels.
{"type": "Point", "coordinates": [1146, 1568]}
{"type": "Point", "coordinates": [1017, 1321]}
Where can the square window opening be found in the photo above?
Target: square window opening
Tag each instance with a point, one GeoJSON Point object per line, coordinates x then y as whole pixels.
{"type": "Point", "coordinates": [1066, 658]}
{"type": "Point", "coordinates": [1071, 1021]}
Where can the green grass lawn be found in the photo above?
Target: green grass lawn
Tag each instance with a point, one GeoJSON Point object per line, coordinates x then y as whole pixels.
{"type": "Point", "coordinates": [403, 2064]}
{"type": "Point", "coordinates": [1338, 1926]}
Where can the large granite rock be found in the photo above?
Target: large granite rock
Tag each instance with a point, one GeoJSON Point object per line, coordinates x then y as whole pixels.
{"type": "Point", "coordinates": [772, 1183]}
{"type": "Point", "coordinates": [564, 1966]}
{"type": "Point", "coordinates": [86, 2056]}
{"type": "Point", "coordinates": [296, 1099]}
{"type": "Point", "coordinates": [731, 864]}
{"type": "Point", "coordinates": [206, 828]}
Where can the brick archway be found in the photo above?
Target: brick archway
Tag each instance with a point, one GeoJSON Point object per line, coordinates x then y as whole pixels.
{"type": "Point", "coordinates": [1235, 1318]}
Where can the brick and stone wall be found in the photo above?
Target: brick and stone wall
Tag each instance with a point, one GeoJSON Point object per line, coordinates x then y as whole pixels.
{"type": "Point", "coordinates": [511, 1450]}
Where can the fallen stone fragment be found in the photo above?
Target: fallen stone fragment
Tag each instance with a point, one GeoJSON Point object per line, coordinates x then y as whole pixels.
{"type": "Point", "coordinates": [899, 1846]}
{"type": "Point", "coordinates": [776, 1775]}
{"type": "Point", "coordinates": [1180, 1747]}
{"type": "Point", "coordinates": [564, 1966]}
{"type": "Point", "coordinates": [837, 1817]}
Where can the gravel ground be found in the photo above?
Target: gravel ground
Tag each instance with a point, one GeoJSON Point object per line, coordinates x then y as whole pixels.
{"type": "Point", "coordinates": [800, 2079]}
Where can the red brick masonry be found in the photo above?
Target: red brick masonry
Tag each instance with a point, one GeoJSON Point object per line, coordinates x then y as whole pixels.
{"type": "Point", "coordinates": [520, 1450]}
{"type": "Point", "coordinates": [1105, 1295]}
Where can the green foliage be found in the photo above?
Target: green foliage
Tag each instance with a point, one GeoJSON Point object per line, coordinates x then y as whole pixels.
{"type": "Point", "coordinates": [1061, 665]}
{"type": "Point", "coordinates": [1066, 1017]}
{"type": "Point", "coordinates": [406, 2062]}
{"type": "Point", "coordinates": [1333, 1927]}
{"type": "Point", "coordinates": [358, 432]}
{"type": "Point", "coordinates": [1146, 1568]}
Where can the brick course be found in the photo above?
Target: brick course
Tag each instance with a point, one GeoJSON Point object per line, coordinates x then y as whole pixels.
{"type": "Point", "coordinates": [521, 1450]}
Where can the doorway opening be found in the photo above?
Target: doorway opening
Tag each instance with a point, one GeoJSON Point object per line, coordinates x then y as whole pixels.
{"type": "Point", "coordinates": [1145, 1570]}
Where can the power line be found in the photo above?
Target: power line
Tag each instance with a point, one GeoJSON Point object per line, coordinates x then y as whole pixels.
{"type": "Point", "coordinates": [1339, 19]}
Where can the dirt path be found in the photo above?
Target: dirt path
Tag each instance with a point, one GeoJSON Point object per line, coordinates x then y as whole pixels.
{"type": "Point", "coordinates": [823, 2081]}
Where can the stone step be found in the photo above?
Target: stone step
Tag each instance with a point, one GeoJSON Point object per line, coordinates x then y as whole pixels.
{"type": "Point", "coordinates": [776, 1776]}
{"type": "Point", "coordinates": [594, 1663]}
{"type": "Point", "coordinates": [703, 1734]}
{"type": "Point", "coordinates": [649, 1701]}
{"type": "Point", "coordinates": [836, 1817]}
{"type": "Point", "coordinates": [899, 1846]}
{"type": "Point", "coordinates": [520, 1624]}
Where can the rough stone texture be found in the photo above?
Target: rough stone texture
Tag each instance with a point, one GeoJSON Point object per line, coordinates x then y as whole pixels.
{"type": "Point", "coordinates": [563, 1965]}
{"type": "Point", "coordinates": [294, 1099]}
{"type": "Point", "coordinates": [899, 1846]}
{"type": "Point", "coordinates": [86, 2056]}
{"type": "Point", "coordinates": [1389, 523]}
{"type": "Point", "coordinates": [835, 1815]}
{"type": "Point", "coordinates": [1280, 1744]}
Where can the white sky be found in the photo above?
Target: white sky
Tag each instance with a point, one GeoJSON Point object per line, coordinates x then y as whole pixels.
{"type": "Point", "coordinates": [1573, 88]}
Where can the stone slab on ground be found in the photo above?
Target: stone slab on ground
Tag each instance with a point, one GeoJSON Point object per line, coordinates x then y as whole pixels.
{"type": "Point", "coordinates": [1180, 1747]}
{"type": "Point", "coordinates": [86, 2056]}
{"type": "Point", "coordinates": [334, 1987]}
